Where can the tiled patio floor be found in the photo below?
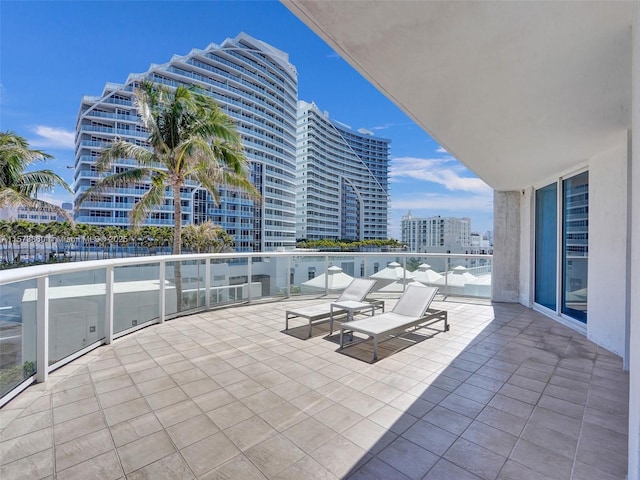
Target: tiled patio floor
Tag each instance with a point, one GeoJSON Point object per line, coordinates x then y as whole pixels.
{"type": "Point", "coordinates": [507, 394]}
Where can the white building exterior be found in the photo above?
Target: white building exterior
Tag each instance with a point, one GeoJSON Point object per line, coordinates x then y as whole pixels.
{"type": "Point", "coordinates": [420, 233]}
{"type": "Point", "coordinates": [342, 187]}
{"type": "Point", "coordinates": [256, 85]}
{"type": "Point", "coordinates": [33, 215]}
{"type": "Point", "coordinates": [542, 101]}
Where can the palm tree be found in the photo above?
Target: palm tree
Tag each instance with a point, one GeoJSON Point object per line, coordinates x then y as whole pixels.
{"type": "Point", "coordinates": [19, 187]}
{"type": "Point", "coordinates": [191, 138]}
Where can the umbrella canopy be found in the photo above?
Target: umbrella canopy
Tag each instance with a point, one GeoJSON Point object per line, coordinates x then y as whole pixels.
{"type": "Point", "coordinates": [393, 272]}
{"type": "Point", "coordinates": [458, 277]}
{"type": "Point", "coordinates": [336, 280]}
{"type": "Point", "coordinates": [425, 274]}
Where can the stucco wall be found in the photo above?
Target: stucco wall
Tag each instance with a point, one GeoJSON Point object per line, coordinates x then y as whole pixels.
{"type": "Point", "coordinates": [608, 238]}
{"type": "Point", "coordinates": [506, 246]}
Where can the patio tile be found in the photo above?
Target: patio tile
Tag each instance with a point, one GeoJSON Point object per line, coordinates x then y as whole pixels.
{"type": "Point", "coordinates": [308, 469]}
{"type": "Point", "coordinates": [338, 418]}
{"type": "Point", "coordinates": [26, 424]}
{"type": "Point", "coordinates": [102, 467]}
{"type": "Point", "coordinates": [83, 448]}
{"type": "Point", "coordinates": [376, 469]}
{"type": "Point", "coordinates": [145, 451]}
{"type": "Point", "coordinates": [447, 419]}
{"type": "Point", "coordinates": [542, 460]}
{"type": "Point", "coordinates": [192, 430]}
{"type": "Point", "coordinates": [491, 438]}
{"type": "Point", "coordinates": [475, 459]}
{"type": "Point", "coordinates": [445, 470]}
{"type": "Point", "coordinates": [25, 445]}
{"type": "Point", "coordinates": [134, 429]}
{"type": "Point", "coordinates": [309, 434]}
{"type": "Point", "coordinates": [369, 436]}
{"type": "Point", "coordinates": [171, 467]}
{"type": "Point", "coordinates": [502, 420]}
{"type": "Point", "coordinates": [408, 458]}
{"type": "Point", "coordinates": [511, 405]}
{"type": "Point", "coordinates": [230, 414]}
{"type": "Point", "coordinates": [66, 431]}
{"type": "Point", "coordinates": [430, 437]}
{"type": "Point", "coordinates": [37, 466]}
{"type": "Point", "coordinates": [209, 453]}
{"type": "Point", "coordinates": [283, 416]}
{"type": "Point", "coordinates": [516, 471]}
{"type": "Point", "coordinates": [311, 402]}
{"type": "Point", "coordinates": [392, 419]}
{"type": "Point", "coordinates": [341, 456]}
{"type": "Point", "coordinates": [116, 397]}
{"type": "Point", "coordinates": [274, 455]}
{"type": "Point", "coordinates": [362, 403]}
{"type": "Point", "coordinates": [215, 399]}
{"type": "Point", "coordinates": [165, 398]}
{"type": "Point", "coordinates": [550, 439]}
{"type": "Point", "coordinates": [156, 385]}
{"type": "Point", "coordinates": [126, 411]}
{"type": "Point", "coordinates": [238, 467]}
{"type": "Point", "coordinates": [250, 432]}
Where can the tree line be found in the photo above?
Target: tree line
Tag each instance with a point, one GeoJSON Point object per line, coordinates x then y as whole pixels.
{"type": "Point", "coordinates": [28, 242]}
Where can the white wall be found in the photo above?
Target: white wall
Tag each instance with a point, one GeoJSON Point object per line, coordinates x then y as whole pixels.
{"type": "Point", "coordinates": [608, 236]}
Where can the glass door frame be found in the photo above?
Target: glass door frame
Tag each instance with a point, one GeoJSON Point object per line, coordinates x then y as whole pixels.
{"type": "Point", "coordinates": [557, 313]}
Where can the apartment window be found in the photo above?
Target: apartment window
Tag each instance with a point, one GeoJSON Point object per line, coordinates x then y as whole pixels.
{"type": "Point", "coordinates": [561, 246]}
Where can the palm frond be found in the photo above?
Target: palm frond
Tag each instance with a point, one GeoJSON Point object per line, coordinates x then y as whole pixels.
{"type": "Point", "coordinates": [122, 149]}
{"type": "Point", "coordinates": [151, 199]}
{"type": "Point", "coordinates": [30, 183]}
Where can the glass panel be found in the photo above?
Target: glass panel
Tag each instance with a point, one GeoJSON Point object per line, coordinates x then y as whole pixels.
{"type": "Point", "coordinates": [575, 236]}
{"type": "Point", "coordinates": [238, 284]}
{"type": "Point", "coordinates": [546, 246]}
{"type": "Point", "coordinates": [76, 312]}
{"type": "Point", "coordinates": [17, 334]}
{"type": "Point", "coordinates": [136, 295]}
{"type": "Point", "coordinates": [186, 288]}
{"type": "Point", "coordinates": [268, 276]}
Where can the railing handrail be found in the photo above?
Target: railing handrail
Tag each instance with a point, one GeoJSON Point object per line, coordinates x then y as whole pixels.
{"type": "Point", "coordinates": [38, 271]}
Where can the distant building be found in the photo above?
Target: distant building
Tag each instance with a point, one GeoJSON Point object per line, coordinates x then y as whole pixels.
{"type": "Point", "coordinates": [422, 233]}
{"type": "Point", "coordinates": [253, 83]}
{"type": "Point", "coordinates": [342, 187]}
{"type": "Point", "coordinates": [32, 215]}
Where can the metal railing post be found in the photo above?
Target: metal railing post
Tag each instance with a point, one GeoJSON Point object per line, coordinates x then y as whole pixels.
{"type": "Point", "coordinates": [326, 275]}
{"type": "Point", "coordinates": [249, 275]}
{"type": "Point", "coordinates": [109, 303]}
{"type": "Point", "coordinates": [42, 329]}
{"type": "Point", "coordinates": [207, 282]}
{"type": "Point", "coordinates": [288, 275]}
{"type": "Point", "coordinates": [162, 292]}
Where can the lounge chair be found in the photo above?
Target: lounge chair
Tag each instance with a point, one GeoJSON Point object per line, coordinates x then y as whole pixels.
{"type": "Point", "coordinates": [412, 310]}
{"type": "Point", "coordinates": [353, 297]}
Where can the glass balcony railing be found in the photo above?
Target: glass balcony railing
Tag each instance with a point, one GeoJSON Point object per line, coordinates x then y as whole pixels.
{"type": "Point", "coordinates": [52, 314]}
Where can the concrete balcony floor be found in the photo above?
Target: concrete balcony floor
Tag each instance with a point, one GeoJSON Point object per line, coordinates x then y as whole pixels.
{"type": "Point", "coordinates": [507, 394]}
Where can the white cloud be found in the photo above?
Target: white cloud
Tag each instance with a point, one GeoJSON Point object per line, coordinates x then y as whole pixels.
{"type": "Point", "coordinates": [441, 150]}
{"type": "Point", "coordinates": [444, 203]}
{"type": "Point", "coordinates": [389, 125]}
{"type": "Point", "coordinates": [443, 171]}
{"type": "Point", "coordinates": [52, 137]}
{"type": "Point", "coordinates": [56, 198]}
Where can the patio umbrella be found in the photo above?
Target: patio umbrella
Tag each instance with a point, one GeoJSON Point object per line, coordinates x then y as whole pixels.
{"type": "Point", "coordinates": [336, 280]}
{"type": "Point", "coordinates": [425, 274]}
{"type": "Point", "coordinates": [392, 278]}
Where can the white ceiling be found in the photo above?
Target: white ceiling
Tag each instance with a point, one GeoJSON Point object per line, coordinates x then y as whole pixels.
{"type": "Point", "coordinates": [517, 91]}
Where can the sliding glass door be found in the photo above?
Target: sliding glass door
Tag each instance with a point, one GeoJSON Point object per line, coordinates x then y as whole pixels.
{"type": "Point", "coordinates": [562, 218]}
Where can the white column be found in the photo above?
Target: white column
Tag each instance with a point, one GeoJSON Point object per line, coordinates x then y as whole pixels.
{"type": "Point", "coordinates": [207, 282]}
{"type": "Point", "coordinates": [42, 339]}
{"type": "Point", "coordinates": [505, 275]}
{"type": "Point", "coordinates": [249, 275]}
{"type": "Point", "coordinates": [634, 317]}
{"type": "Point", "coordinates": [163, 292]}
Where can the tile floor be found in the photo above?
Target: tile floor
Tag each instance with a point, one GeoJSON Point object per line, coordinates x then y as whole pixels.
{"type": "Point", "coordinates": [506, 394]}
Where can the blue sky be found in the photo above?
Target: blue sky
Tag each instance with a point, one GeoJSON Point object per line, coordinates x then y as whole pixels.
{"type": "Point", "coordinates": [52, 53]}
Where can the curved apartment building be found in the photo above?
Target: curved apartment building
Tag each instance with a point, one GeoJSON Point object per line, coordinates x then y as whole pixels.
{"type": "Point", "coordinates": [342, 179]}
{"type": "Point", "coordinates": [256, 85]}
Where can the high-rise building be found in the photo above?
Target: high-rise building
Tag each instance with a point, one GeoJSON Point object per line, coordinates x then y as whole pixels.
{"type": "Point", "coordinates": [255, 84]}
{"type": "Point", "coordinates": [420, 233]}
{"type": "Point", "coordinates": [342, 179]}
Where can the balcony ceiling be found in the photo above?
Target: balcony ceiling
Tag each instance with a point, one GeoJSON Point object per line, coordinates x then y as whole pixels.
{"type": "Point", "coordinates": [517, 91]}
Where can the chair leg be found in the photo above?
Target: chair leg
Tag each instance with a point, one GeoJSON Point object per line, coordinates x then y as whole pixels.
{"type": "Point", "coordinates": [375, 347]}
{"type": "Point", "coordinates": [341, 332]}
{"type": "Point", "coordinates": [310, 326]}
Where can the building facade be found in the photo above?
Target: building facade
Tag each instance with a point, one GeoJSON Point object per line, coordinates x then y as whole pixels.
{"type": "Point", "coordinates": [421, 233]}
{"type": "Point", "coordinates": [342, 188]}
{"type": "Point", "coordinates": [253, 83]}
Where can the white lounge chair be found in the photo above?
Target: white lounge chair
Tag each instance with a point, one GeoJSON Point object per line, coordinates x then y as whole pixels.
{"type": "Point", "coordinates": [412, 310]}
{"type": "Point", "coordinates": [353, 298]}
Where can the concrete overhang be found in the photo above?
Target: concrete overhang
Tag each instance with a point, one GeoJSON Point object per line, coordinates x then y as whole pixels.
{"type": "Point", "coordinates": [517, 91]}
